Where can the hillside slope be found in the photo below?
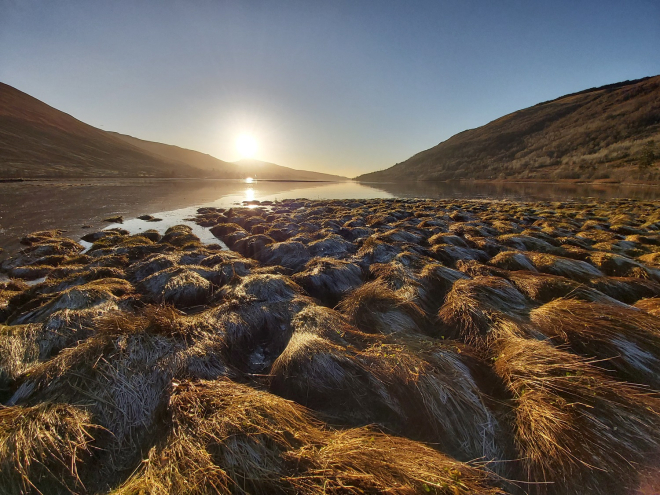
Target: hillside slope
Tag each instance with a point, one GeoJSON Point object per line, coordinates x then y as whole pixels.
{"type": "Point", "coordinates": [227, 170]}
{"type": "Point", "coordinates": [37, 140]}
{"type": "Point", "coordinates": [598, 133]}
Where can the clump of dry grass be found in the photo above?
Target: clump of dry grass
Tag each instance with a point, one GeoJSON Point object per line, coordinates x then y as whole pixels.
{"type": "Point", "coordinates": [231, 438]}
{"type": "Point", "coordinates": [420, 389]}
{"type": "Point", "coordinates": [225, 437]}
{"type": "Point", "coordinates": [122, 380]}
{"type": "Point", "coordinates": [293, 255]}
{"type": "Point", "coordinates": [474, 306]}
{"type": "Point", "coordinates": [331, 245]}
{"type": "Point", "coordinates": [328, 280]}
{"type": "Point", "coordinates": [374, 250]}
{"type": "Point", "coordinates": [22, 346]}
{"type": "Point", "coordinates": [615, 265]}
{"type": "Point", "coordinates": [626, 340]}
{"type": "Point", "coordinates": [543, 288]}
{"type": "Point", "coordinates": [152, 264]}
{"type": "Point", "coordinates": [81, 297]}
{"type": "Point", "coordinates": [263, 287]}
{"type": "Point", "coordinates": [18, 349]}
{"type": "Point", "coordinates": [180, 236]}
{"type": "Point", "coordinates": [472, 268]}
{"type": "Point", "coordinates": [449, 254]}
{"type": "Point", "coordinates": [362, 461]}
{"type": "Point", "coordinates": [512, 260]}
{"type": "Point", "coordinates": [651, 259]}
{"type": "Point", "coordinates": [179, 286]}
{"type": "Point", "coordinates": [528, 243]}
{"type": "Point", "coordinates": [650, 305]}
{"type": "Point", "coordinates": [565, 267]}
{"type": "Point", "coordinates": [41, 448]}
{"type": "Point", "coordinates": [256, 317]}
{"type": "Point", "coordinates": [252, 245]}
{"type": "Point", "coordinates": [578, 430]}
{"type": "Point", "coordinates": [376, 308]}
{"type": "Point", "coordinates": [328, 378]}
{"type": "Point", "coordinates": [330, 325]}
{"type": "Point", "coordinates": [626, 289]}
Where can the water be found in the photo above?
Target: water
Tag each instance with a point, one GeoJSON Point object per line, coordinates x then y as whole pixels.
{"type": "Point", "coordinates": [80, 206]}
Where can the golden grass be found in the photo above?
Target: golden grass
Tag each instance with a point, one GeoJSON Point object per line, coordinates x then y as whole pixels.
{"type": "Point", "coordinates": [626, 340]}
{"type": "Point", "coordinates": [41, 448]}
{"type": "Point", "coordinates": [578, 430]}
{"type": "Point", "coordinates": [231, 438]}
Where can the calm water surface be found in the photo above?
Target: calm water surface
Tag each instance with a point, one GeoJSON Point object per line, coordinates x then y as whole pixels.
{"type": "Point", "coordinates": [79, 206]}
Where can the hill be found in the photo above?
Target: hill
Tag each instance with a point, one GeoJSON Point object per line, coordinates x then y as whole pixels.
{"type": "Point", "coordinates": [226, 170]}
{"type": "Point", "coordinates": [39, 141]}
{"type": "Point", "coordinates": [610, 132]}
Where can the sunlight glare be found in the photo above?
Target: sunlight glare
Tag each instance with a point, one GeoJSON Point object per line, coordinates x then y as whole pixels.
{"type": "Point", "coordinates": [249, 194]}
{"type": "Point", "coordinates": [246, 146]}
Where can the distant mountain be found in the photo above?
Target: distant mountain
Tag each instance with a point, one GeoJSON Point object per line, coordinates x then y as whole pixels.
{"type": "Point", "coordinates": [228, 170]}
{"type": "Point", "coordinates": [610, 132]}
{"type": "Point", "coordinates": [37, 140]}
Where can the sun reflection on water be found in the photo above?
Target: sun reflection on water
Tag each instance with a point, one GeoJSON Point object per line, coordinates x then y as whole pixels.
{"type": "Point", "coordinates": [249, 194]}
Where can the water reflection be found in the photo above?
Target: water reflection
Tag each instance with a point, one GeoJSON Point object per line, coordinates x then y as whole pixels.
{"type": "Point", "coordinates": [519, 191]}
{"type": "Point", "coordinates": [79, 206]}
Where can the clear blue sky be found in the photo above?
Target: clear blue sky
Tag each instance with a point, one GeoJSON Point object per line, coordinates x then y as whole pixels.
{"type": "Point", "coordinates": [337, 86]}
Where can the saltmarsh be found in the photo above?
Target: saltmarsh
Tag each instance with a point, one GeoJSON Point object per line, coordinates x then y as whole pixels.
{"type": "Point", "coordinates": [358, 346]}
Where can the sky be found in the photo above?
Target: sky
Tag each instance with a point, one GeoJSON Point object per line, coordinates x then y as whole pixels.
{"type": "Point", "coordinates": [344, 87]}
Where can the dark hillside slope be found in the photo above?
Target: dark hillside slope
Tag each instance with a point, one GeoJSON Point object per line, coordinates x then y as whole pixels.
{"type": "Point", "coordinates": [37, 140]}
{"type": "Point", "coordinates": [608, 132]}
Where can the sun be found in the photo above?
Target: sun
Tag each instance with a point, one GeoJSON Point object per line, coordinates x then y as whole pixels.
{"type": "Point", "coordinates": [246, 146]}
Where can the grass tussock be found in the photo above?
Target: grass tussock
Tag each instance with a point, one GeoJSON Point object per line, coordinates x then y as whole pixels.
{"type": "Point", "coordinates": [473, 307]}
{"type": "Point", "coordinates": [577, 430]}
{"type": "Point", "coordinates": [626, 289]}
{"type": "Point", "coordinates": [41, 448]}
{"type": "Point", "coordinates": [231, 438]}
{"type": "Point", "coordinates": [328, 280]}
{"type": "Point", "coordinates": [122, 380]}
{"type": "Point", "coordinates": [179, 286]}
{"type": "Point", "coordinates": [360, 461]}
{"type": "Point", "coordinates": [650, 305]}
{"type": "Point", "coordinates": [624, 339]}
{"type": "Point", "coordinates": [376, 308]}
{"type": "Point", "coordinates": [542, 288]}
{"type": "Point", "coordinates": [425, 391]}
{"type": "Point", "coordinates": [81, 297]}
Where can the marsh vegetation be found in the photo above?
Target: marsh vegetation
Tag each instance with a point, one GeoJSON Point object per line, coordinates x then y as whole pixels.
{"type": "Point", "coordinates": [340, 346]}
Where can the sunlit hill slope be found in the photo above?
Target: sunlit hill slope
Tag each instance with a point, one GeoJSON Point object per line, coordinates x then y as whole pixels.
{"type": "Point", "coordinates": [611, 132]}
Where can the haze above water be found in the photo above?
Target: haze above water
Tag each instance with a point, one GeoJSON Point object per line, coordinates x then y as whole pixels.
{"type": "Point", "coordinates": [79, 206]}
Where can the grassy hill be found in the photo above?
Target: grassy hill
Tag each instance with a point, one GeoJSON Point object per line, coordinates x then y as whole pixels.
{"type": "Point", "coordinates": [611, 132]}
{"type": "Point", "coordinates": [39, 141]}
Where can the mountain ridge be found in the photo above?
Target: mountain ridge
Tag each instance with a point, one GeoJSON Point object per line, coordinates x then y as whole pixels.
{"type": "Point", "coordinates": [598, 133]}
